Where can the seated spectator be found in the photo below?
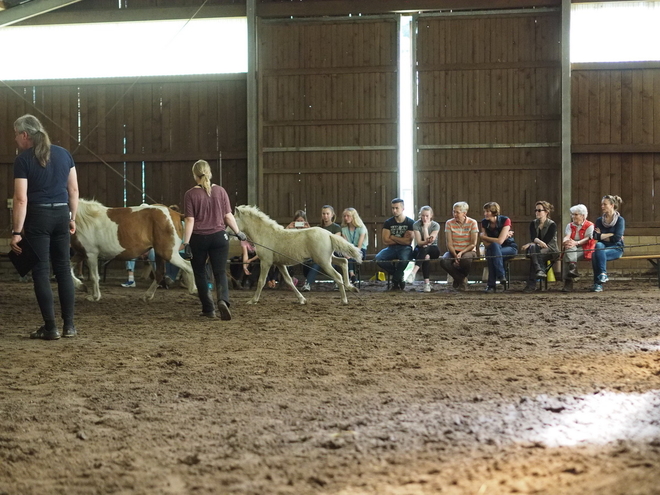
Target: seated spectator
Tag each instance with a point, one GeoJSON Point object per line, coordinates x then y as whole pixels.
{"type": "Point", "coordinates": [543, 243]}
{"type": "Point", "coordinates": [299, 222]}
{"type": "Point", "coordinates": [354, 231]}
{"type": "Point", "coordinates": [608, 232]}
{"type": "Point", "coordinates": [497, 236]}
{"type": "Point", "coordinates": [426, 232]}
{"type": "Point", "coordinates": [327, 223]}
{"type": "Point", "coordinates": [245, 269]}
{"type": "Point", "coordinates": [461, 235]}
{"type": "Point", "coordinates": [577, 243]}
{"type": "Point", "coordinates": [397, 236]}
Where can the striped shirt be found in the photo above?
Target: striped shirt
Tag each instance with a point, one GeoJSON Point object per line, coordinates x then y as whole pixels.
{"type": "Point", "coordinates": [461, 233]}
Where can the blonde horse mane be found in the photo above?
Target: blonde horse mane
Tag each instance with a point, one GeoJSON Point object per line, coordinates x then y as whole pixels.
{"type": "Point", "coordinates": [255, 212]}
{"type": "Point", "coordinates": [89, 209]}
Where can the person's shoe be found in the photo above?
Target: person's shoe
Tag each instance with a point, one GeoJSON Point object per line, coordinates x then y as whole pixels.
{"type": "Point", "coordinates": [410, 278]}
{"type": "Point", "coordinates": [541, 274]}
{"type": "Point", "coordinates": [456, 284]}
{"type": "Point", "coordinates": [129, 284]}
{"type": "Point", "coordinates": [394, 286]}
{"type": "Point", "coordinates": [69, 331]}
{"type": "Point", "coordinates": [572, 271]}
{"type": "Point", "coordinates": [603, 278]}
{"type": "Point", "coordinates": [464, 285]}
{"type": "Point", "coordinates": [529, 288]}
{"type": "Point", "coordinates": [353, 279]}
{"type": "Point", "coordinates": [427, 287]}
{"type": "Point", "coordinates": [305, 288]}
{"type": "Point", "coordinates": [335, 287]}
{"type": "Point", "coordinates": [223, 309]}
{"type": "Point", "coordinates": [490, 290]}
{"type": "Point", "coordinates": [44, 334]}
{"type": "Point", "coordinates": [597, 288]}
{"type": "Point", "coordinates": [503, 283]}
{"type": "Point", "coordinates": [402, 285]}
{"type": "Point", "coordinates": [567, 288]}
{"type": "Point", "coordinates": [207, 314]}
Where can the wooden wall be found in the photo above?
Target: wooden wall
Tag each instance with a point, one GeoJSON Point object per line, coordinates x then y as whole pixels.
{"type": "Point", "coordinates": [616, 141]}
{"type": "Point", "coordinates": [488, 114]}
{"type": "Point", "coordinates": [165, 123]}
{"type": "Point", "coordinates": [328, 120]}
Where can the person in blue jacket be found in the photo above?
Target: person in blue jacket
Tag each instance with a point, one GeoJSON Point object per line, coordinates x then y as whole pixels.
{"type": "Point", "coordinates": [608, 233]}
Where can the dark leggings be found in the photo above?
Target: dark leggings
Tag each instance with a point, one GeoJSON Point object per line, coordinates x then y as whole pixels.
{"type": "Point", "coordinates": [47, 231]}
{"type": "Point", "coordinates": [216, 248]}
{"type": "Point", "coordinates": [420, 253]}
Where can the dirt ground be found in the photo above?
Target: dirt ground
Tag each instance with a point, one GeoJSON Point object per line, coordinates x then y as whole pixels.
{"type": "Point", "coordinates": [396, 393]}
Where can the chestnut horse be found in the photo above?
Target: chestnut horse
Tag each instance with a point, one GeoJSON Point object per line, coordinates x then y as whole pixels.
{"type": "Point", "coordinates": [125, 234]}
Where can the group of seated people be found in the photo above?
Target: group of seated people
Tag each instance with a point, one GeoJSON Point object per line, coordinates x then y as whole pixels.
{"type": "Point", "coordinates": [406, 240]}
{"type": "Point", "coordinates": [583, 240]}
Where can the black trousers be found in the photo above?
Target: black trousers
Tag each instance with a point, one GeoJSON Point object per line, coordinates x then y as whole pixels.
{"type": "Point", "coordinates": [47, 231]}
{"type": "Point", "coordinates": [215, 247]}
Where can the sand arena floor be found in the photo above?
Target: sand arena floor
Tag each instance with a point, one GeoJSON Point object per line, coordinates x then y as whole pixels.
{"type": "Point", "coordinates": [396, 393]}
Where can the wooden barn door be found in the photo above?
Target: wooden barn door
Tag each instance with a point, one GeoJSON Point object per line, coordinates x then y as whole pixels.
{"type": "Point", "coordinates": [328, 117]}
{"type": "Point", "coordinates": [488, 124]}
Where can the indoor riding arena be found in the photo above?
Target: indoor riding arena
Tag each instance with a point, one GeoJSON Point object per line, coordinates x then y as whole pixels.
{"type": "Point", "coordinates": [542, 385]}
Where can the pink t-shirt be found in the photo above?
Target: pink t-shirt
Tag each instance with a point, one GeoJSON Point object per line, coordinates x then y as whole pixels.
{"type": "Point", "coordinates": [208, 211]}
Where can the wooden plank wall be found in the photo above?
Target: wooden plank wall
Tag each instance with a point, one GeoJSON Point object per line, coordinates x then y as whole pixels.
{"type": "Point", "coordinates": [165, 124]}
{"type": "Point", "coordinates": [328, 122]}
{"type": "Point", "coordinates": [488, 115]}
{"type": "Point", "coordinates": [616, 141]}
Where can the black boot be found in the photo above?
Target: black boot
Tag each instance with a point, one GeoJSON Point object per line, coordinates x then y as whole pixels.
{"type": "Point", "coordinates": [572, 270]}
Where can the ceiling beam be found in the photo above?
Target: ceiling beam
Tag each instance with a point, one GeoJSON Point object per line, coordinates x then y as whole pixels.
{"type": "Point", "coordinates": [31, 9]}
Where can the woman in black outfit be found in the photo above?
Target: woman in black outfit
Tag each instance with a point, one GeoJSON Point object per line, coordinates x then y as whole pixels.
{"type": "Point", "coordinates": [543, 245]}
{"type": "Point", "coordinates": [45, 205]}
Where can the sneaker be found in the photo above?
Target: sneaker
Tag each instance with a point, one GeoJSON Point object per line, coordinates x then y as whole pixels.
{"type": "Point", "coordinates": [402, 285]}
{"type": "Point", "coordinates": [335, 287]}
{"type": "Point", "coordinates": [602, 278]}
{"type": "Point", "coordinates": [207, 314]}
{"type": "Point", "coordinates": [69, 331]}
{"type": "Point", "coordinates": [597, 288]}
{"type": "Point", "coordinates": [410, 278]}
{"type": "Point", "coordinates": [456, 283]}
{"type": "Point", "coordinates": [530, 288]}
{"type": "Point", "coordinates": [464, 285]}
{"type": "Point", "coordinates": [130, 283]}
{"type": "Point", "coordinates": [44, 334]}
{"type": "Point", "coordinates": [223, 309]}
{"type": "Point", "coordinates": [305, 288]}
{"type": "Point", "coordinates": [490, 290]}
{"type": "Point", "coordinates": [427, 287]}
{"type": "Point", "coordinates": [541, 274]}
{"type": "Point", "coordinates": [394, 286]}
{"type": "Point", "coordinates": [353, 279]}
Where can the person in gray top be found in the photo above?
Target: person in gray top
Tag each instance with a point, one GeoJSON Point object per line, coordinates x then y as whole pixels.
{"type": "Point", "coordinates": [426, 231]}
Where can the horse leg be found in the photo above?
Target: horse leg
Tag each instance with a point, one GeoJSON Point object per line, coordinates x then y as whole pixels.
{"type": "Point", "coordinates": [263, 275]}
{"type": "Point", "coordinates": [329, 270]}
{"type": "Point", "coordinates": [287, 278]}
{"type": "Point", "coordinates": [186, 271]}
{"type": "Point", "coordinates": [343, 262]}
{"type": "Point", "coordinates": [93, 265]}
{"type": "Point", "coordinates": [149, 295]}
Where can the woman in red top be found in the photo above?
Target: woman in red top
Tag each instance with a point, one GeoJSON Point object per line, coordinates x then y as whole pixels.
{"type": "Point", "coordinates": [207, 213]}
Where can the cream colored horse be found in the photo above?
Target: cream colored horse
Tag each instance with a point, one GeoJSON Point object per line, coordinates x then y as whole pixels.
{"type": "Point", "coordinates": [281, 247]}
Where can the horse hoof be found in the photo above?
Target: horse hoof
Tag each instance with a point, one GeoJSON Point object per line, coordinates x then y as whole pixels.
{"type": "Point", "coordinates": [251, 301]}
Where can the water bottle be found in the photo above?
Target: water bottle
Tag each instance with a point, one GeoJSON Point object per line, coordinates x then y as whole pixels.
{"type": "Point", "coordinates": [482, 250]}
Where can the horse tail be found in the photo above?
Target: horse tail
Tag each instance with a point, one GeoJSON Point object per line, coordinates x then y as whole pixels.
{"type": "Point", "coordinates": [345, 248]}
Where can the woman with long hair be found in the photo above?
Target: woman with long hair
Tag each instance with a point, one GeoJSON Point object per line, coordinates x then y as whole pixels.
{"type": "Point", "coordinates": [543, 243]}
{"type": "Point", "coordinates": [207, 213]}
{"type": "Point", "coordinates": [608, 233]}
{"type": "Point", "coordinates": [45, 207]}
{"type": "Point", "coordinates": [354, 231]}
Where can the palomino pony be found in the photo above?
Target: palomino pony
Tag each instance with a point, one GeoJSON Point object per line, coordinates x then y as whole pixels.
{"type": "Point", "coordinates": [125, 234]}
{"type": "Point", "coordinates": [278, 246]}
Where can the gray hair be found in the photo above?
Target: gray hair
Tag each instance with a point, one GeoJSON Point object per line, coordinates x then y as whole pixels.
{"type": "Point", "coordinates": [36, 132]}
{"type": "Point", "coordinates": [461, 206]}
{"type": "Point", "coordinates": [580, 210]}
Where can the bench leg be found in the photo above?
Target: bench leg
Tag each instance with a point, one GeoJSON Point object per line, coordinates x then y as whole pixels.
{"type": "Point", "coordinates": [657, 269]}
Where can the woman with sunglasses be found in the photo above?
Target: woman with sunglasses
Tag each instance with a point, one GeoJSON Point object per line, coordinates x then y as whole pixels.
{"type": "Point", "coordinates": [543, 245]}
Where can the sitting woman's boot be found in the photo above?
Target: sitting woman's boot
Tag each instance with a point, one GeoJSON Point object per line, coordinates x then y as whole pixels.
{"type": "Point", "coordinates": [572, 270]}
{"type": "Point", "coordinates": [568, 285]}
